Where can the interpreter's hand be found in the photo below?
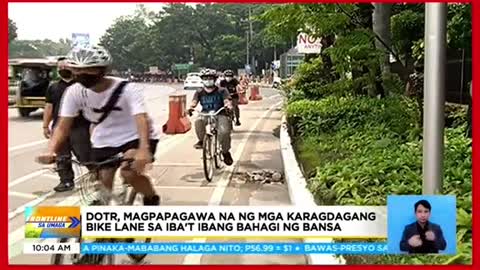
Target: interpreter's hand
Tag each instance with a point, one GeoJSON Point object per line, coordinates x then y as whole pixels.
{"type": "Point", "coordinates": [430, 236]}
{"type": "Point", "coordinates": [415, 241]}
{"type": "Point", "coordinates": [46, 158]}
{"type": "Point", "coordinates": [46, 133]}
{"type": "Point", "coordinates": [142, 158]}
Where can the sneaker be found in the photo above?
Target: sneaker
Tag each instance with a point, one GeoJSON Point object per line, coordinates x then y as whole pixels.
{"type": "Point", "coordinates": [227, 158]}
{"type": "Point", "coordinates": [154, 200]}
{"type": "Point", "coordinates": [64, 186]}
{"type": "Point", "coordinates": [238, 123]}
{"type": "Point", "coordinates": [198, 145]}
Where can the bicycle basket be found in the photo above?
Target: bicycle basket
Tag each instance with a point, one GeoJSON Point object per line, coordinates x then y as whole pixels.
{"type": "Point", "coordinates": [89, 188]}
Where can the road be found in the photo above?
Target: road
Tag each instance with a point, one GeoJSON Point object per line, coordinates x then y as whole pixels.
{"type": "Point", "coordinates": [177, 174]}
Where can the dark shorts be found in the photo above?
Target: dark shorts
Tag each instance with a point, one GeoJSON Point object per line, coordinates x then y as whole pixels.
{"type": "Point", "coordinates": [105, 153]}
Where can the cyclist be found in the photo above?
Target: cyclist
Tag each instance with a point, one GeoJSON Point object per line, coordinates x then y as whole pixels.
{"type": "Point", "coordinates": [213, 98]}
{"type": "Point", "coordinates": [117, 127]}
{"type": "Point", "coordinates": [78, 141]}
{"type": "Point", "coordinates": [233, 87]}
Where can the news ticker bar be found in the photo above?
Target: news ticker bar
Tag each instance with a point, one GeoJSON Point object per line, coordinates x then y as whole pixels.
{"type": "Point", "coordinates": [208, 248]}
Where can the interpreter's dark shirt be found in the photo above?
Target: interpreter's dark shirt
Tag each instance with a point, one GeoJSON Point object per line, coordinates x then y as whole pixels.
{"type": "Point", "coordinates": [427, 246]}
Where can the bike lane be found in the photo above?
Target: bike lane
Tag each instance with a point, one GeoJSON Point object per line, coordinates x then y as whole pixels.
{"type": "Point", "coordinates": [177, 175]}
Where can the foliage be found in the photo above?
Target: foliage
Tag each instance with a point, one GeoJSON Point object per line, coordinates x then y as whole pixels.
{"type": "Point", "coordinates": [332, 114]}
{"type": "Point", "coordinates": [126, 40]}
{"type": "Point", "coordinates": [393, 84]}
{"type": "Point", "coordinates": [459, 26]}
{"type": "Point", "coordinates": [407, 27]}
{"type": "Point", "coordinates": [352, 52]}
{"type": "Point", "coordinates": [459, 31]}
{"type": "Point", "coordinates": [212, 35]}
{"type": "Point", "coordinates": [12, 30]}
{"type": "Point", "coordinates": [356, 150]}
{"type": "Point", "coordinates": [38, 48]}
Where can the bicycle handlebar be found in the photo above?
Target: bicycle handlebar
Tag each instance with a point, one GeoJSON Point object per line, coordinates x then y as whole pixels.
{"type": "Point", "coordinates": [113, 160]}
{"type": "Point", "coordinates": [210, 113]}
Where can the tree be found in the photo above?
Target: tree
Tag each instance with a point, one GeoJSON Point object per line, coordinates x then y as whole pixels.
{"type": "Point", "coordinates": [12, 30]}
{"type": "Point", "coordinates": [127, 41]}
{"type": "Point", "coordinates": [381, 27]}
{"type": "Point", "coordinates": [211, 35]}
{"type": "Point", "coordinates": [38, 48]}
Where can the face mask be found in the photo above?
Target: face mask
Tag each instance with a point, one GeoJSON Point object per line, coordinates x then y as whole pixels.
{"type": "Point", "coordinates": [209, 83]}
{"type": "Point", "coordinates": [88, 80]}
{"type": "Point", "coordinates": [229, 79]}
{"type": "Point", "coordinates": [65, 74]}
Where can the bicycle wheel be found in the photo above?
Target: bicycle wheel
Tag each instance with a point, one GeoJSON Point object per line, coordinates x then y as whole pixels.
{"type": "Point", "coordinates": [58, 259]}
{"type": "Point", "coordinates": [78, 259]}
{"type": "Point", "coordinates": [207, 157]}
{"type": "Point", "coordinates": [130, 200]}
{"type": "Point", "coordinates": [217, 157]}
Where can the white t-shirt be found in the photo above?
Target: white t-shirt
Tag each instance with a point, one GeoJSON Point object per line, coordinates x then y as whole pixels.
{"type": "Point", "coordinates": [120, 126]}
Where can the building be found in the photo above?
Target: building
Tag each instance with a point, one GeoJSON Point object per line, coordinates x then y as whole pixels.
{"type": "Point", "coordinates": [289, 62]}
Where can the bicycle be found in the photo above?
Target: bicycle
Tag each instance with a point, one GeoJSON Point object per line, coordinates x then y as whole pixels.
{"type": "Point", "coordinates": [211, 159]}
{"type": "Point", "coordinates": [101, 196]}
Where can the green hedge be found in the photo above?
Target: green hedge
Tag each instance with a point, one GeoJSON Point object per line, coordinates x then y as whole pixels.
{"type": "Point", "coordinates": [359, 150]}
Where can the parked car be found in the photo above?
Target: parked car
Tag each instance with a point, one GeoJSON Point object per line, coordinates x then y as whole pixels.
{"type": "Point", "coordinates": [193, 81]}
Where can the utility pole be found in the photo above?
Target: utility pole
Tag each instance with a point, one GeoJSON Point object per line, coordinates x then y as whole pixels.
{"type": "Point", "coordinates": [251, 35]}
{"type": "Point", "coordinates": [248, 48]}
{"type": "Point", "coordinates": [434, 97]}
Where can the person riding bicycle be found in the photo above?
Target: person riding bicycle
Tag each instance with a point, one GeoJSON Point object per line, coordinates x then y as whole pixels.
{"type": "Point", "coordinates": [119, 126]}
{"type": "Point", "coordinates": [213, 98]}
{"type": "Point", "coordinates": [232, 85]}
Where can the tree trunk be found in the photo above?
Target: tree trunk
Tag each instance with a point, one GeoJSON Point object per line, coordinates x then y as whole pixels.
{"type": "Point", "coordinates": [381, 26]}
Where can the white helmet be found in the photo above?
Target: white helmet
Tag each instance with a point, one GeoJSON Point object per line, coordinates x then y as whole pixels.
{"type": "Point", "coordinates": [91, 56]}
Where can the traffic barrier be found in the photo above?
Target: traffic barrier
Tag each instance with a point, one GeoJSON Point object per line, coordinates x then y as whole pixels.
{"type": "Point", "coordinates": [178, 121]}
{"type": "Point", "coordinates": [255, 92]}
{"type": "Point", "coordinates": [242, 100]}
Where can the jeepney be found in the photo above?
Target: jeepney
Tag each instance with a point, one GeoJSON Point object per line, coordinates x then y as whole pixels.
{"type": "Point", "coordinates": [31, 78]}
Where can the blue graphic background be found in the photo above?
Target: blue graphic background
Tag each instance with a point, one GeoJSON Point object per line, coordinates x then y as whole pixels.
{"type": "Point", "coordinates": [234, 248]}
{"type": "Point", "coordinates": [401, 213]}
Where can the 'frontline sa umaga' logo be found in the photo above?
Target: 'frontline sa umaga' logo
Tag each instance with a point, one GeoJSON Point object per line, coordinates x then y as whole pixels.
{"type": "Point", "coordinates": [52, 222]}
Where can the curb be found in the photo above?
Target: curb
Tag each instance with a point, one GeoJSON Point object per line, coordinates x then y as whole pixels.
{"type": "Point", "coordinates": [300, 195]}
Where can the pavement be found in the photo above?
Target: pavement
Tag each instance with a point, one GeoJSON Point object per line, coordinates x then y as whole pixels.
{"type": "Point", "coordinates": [177, 175]}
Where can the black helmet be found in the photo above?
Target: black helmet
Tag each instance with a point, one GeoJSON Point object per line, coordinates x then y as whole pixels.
{"type": "Point", "coordinates": [228, 73]}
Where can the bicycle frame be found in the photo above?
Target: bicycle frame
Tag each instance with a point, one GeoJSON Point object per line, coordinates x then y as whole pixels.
{"type": "Point", "coordinates": [105, 197]}
{"type": "Point", "coordinates": [211, 117]}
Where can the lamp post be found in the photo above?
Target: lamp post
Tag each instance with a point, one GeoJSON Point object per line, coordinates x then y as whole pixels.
{"type": "Point", "coordinates": [434, 97]}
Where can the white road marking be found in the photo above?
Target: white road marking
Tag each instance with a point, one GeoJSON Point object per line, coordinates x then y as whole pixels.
{"type": "Point", "coordinates": [22, 195]}
{"type": "Point", "coordinates": [32, 203]}
{"type": "Point", "coordinates": [26, 145]}
{"type": "Point", "coordinates": [218, 192]}
{"type": "Point", "coordinates": [27, 177]}
{"type": "Point", "coordinates": [164, 145]}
